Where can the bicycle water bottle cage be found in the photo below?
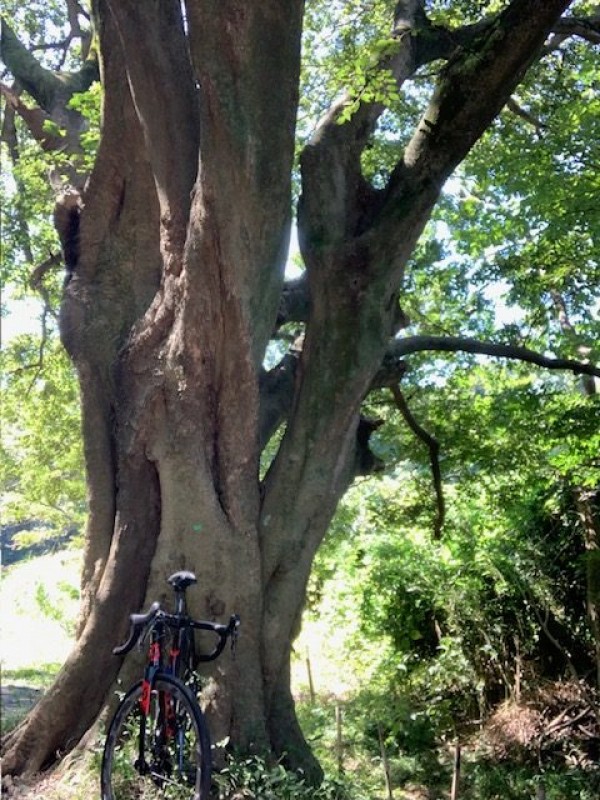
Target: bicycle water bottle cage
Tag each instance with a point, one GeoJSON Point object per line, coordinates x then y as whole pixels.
{"type": "Point", "coordinates": [181, 580]}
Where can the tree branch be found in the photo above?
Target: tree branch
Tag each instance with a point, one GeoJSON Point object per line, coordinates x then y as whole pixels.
{"type": "Point", "coordinates": [42, 84]}
{"type": "Point", "coordinates": [587, 28]}
{"type": "Point", "coordinates": [337, 202]}
{"type": "Point", "coordinates": [513, 106]}
{"type": "Point", "coordinates": [36, 281]}
{"type": "Point", "coordinates": [441, 42]}
{"type": "Point", "coordinates": [74, 11]}
{"type": "Point", "coordinates": [454, 344]}
{"type": "Point", "coordinates": [434, 451]}
{"type": "Point", "coordinates": [52, 92]}
{"type": "Point", "coordinates": [475, 86]}
{"type": "Point", "coordinates": [335, 149]}
{"type": "Point", "coordinates": [8, 134]}
{"type": "Point", "coordinates": [35, 119]}
{"type": "Point", "coordinates": [277, 385]}
{"type": "Point", "coordinates": [338, 207]}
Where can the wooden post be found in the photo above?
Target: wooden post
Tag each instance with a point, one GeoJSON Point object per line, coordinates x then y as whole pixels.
{"type": "Point", "coordinates": [339, 743]}
{"type": "Point", "coordinates": [518, 669]}
{"type": "Point", "coordinates": [456, 772]}
{"type": "Point", "coordinates": [311, 686]}
{"type": "Point", "coordinates": [385, 763]}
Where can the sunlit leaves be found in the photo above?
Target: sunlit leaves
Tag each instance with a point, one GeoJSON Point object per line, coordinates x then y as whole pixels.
{"type": "Point", "coordinates": [460, 12]}
{"type": "Point", "coordinates": [28, 235]}
{"type": "Point", "coordinates": [88, 104]}
{"type": "Point", "coordinates": [528, 212]}
{"type": "Point", "coordinates": [42, 463]}
{"type": "Point", "coordinates": [343, 41]}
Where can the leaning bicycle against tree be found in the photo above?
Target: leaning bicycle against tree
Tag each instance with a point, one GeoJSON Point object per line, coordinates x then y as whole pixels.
{"type": "Point", "coordinates": [158, 743]}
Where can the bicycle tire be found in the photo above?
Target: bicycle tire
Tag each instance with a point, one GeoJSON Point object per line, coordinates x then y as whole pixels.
{"type": "Point", "coordinates": [175, 759]}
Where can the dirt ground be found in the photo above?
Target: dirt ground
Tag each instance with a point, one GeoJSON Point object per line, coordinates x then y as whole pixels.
{"type": "Point", "coordinates": [15, 702]}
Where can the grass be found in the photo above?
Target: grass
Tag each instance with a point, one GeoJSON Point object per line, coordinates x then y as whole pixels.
{"type": "Point", "coordinates": [21, 688]}
{"type": "Point", "coordinates": [40, 676]}
{"type": "Point", "coordinates": [39, 599]}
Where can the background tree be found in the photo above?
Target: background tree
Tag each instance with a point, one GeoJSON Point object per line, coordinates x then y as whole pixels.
{"type": "Point", "coordinates": [175, 246]}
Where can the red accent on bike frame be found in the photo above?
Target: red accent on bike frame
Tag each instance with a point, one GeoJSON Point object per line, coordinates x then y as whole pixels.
{"type": "Point", "coordinates": [145, 698]}
{"type": "Point", "coordinates": [174, 653]}
{"type": "Point", "coordinates": [154, 655]}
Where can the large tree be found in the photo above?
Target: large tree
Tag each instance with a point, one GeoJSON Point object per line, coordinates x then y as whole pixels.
{"type": "Point", "coordinates": [175, 245]}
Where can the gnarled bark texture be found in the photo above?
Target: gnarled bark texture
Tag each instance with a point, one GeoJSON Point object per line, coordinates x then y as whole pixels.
{"type": "Point", "coordinates": [176, 292]}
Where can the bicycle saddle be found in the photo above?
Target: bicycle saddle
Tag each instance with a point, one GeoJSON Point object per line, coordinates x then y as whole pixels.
{"type": "Point", "coordinates": [181, 580]}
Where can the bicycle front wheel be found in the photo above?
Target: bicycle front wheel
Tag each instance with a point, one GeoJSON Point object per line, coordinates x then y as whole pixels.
{"type": "Point", "coordinates": [163, 752]}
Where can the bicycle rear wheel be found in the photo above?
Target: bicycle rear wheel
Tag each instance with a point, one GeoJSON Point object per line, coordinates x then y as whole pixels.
{"type": "Point", "coordinates": [162, 754]}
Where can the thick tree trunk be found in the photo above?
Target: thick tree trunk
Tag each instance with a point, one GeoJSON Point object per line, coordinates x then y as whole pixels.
{"type": "Point", "coordinates": [167, 314]}
{"type": "Point", "coordinates": [169, 365]}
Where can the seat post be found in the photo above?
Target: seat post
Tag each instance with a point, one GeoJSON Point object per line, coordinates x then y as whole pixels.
{"type": "Point", "coordinates": [180, 581]}
{"type": "Point", "coordinates": [180, 602]}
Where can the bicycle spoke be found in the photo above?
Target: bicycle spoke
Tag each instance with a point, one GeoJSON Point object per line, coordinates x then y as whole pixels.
{"type": "Point", "coordinates": [166, 757]}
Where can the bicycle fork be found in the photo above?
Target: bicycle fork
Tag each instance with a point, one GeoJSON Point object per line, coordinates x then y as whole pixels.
{"type": "Point", "coordinates": [152, 667]}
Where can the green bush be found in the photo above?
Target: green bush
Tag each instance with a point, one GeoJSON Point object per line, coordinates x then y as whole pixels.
{"type": "Point", "coordinates": [487, 780]}
{"type": "Point", "coordinates": [253, 777]}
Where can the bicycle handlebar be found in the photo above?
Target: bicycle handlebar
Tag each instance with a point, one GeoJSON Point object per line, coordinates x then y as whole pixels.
{"type": "Point", "coordinates": [223, 631]}
{"type": "Point", "coordinates": [139, 623]}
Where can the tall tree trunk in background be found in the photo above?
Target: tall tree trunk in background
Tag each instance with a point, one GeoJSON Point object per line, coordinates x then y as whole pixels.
{"type": "Point", "coordinates": [168, 311]}
{"type": "Point", "coordinates": [587, 502]}
{"type": "Point", "coordinates": [586, 499]}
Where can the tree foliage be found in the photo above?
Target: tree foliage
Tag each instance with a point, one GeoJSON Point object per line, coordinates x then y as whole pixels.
{"type": "Point", "coordinates": [42, 461]}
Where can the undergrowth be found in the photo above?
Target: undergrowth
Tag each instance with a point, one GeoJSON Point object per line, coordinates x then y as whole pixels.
{"type": "Point", "coordinates": [253, 777]}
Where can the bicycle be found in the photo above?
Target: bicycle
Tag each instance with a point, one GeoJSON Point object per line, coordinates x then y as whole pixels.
{"type": "Point", "coordinates": [158, 743]}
